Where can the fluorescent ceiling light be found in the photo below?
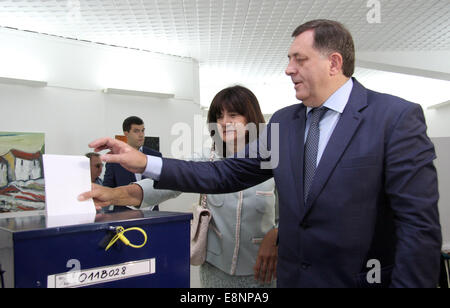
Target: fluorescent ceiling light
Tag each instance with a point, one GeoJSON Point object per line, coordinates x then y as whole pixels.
{"type": "Point", "coordinates": [138, 93]}
{"type": "Point", "coordinates": [24, 82]}
{"type": "Point", "coordinates": [436, 106]}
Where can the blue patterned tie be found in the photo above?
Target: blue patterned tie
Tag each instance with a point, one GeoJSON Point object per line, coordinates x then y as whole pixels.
{"type": "Point", "coordinates": [311, 149]}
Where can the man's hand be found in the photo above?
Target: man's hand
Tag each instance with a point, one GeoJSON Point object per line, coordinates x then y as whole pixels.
{"type": "Point", "coordinates": [266, 263]}
{"type": "Point", "coordinates": [121, 153]}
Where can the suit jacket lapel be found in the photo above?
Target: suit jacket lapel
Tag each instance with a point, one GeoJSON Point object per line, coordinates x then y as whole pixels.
{"type": "Point", "coordinates": [296, 150]}
{"type": "Point", "coordinates": [340, 139]}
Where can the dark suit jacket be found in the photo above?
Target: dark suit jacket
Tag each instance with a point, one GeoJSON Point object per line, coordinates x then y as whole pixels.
{"type": "Point", "coordinates": [374, 196]}
{"type": "Point", "coordinates": [116, 175]}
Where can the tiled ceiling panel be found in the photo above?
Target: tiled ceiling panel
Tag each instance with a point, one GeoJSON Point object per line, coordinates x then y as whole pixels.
{"type": "Point", "coordinates": [248, 36]}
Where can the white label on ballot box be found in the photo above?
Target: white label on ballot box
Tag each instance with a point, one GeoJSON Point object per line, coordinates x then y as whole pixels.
{"type": "Point", "coordinates": [75, 279]}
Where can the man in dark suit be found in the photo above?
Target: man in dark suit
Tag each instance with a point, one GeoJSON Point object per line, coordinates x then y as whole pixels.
{"type": "Point", "coordinates": [355, 176]}
{"type": "Point", "coordinates": [115, 175]}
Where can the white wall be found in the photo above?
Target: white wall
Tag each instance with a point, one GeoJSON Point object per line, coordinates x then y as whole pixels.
{"type": "Point", "coordinates": [439, 130]}
{"type": "Point", "coordinates": [83, 65]}
{"type": "Point", "coordinates": [438, 121]}
{"type": "Point", "coordinates": [442, 163]}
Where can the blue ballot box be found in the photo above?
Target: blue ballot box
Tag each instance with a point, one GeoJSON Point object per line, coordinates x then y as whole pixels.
{"type": "Point", "coordinates": [34, 256]}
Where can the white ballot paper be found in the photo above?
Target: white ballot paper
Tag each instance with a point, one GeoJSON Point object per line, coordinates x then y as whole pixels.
{"type": "Point", "coordinates": [66, 177]}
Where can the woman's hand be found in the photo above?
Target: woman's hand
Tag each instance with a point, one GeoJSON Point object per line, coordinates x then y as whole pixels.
{"type": "Point", "coordinates": [266, 263]}
{"type": "Point", "coordinates": [121, 196]}
{"type": "Point", "coordinates": [101, 195]}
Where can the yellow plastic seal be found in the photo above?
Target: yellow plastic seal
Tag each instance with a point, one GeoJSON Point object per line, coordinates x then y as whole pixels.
{"type": "Point", "coordinates": [121, 236]}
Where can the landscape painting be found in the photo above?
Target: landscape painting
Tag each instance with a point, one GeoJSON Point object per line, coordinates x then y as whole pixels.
{"type": "Point", "coordinates": [21, 172]}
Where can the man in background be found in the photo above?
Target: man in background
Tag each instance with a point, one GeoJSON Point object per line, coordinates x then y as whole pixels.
{"type": "Point", "coordinates": [115, 175]}
{"type": "Point", "coordinates": [96, 170]}
{"type": "Point", "coordinates": [96, 167]}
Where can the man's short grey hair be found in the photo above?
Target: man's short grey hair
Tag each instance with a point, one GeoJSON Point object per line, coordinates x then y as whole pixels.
{"type": "Point", "coordinates": [92, 154]}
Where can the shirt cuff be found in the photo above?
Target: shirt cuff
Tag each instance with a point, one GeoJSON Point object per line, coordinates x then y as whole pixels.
{"type": "Point", "coordinates": [153, 168]}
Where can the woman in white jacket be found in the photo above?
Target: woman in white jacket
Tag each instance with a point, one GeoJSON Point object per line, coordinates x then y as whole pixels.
{"type": "Point", "coordinates": [241, 250]}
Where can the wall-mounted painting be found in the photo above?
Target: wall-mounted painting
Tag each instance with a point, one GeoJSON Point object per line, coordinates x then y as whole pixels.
{"type": "Point", "coordinates": [21, 172]}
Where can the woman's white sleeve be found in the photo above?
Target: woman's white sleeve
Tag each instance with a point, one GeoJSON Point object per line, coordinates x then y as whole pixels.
{"type": "Point", "coordinates": [151, 196]}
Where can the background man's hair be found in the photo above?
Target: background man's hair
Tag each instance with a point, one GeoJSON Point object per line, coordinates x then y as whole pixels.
{"type": "Point", "coordinates": [126, 126]}
{"type": "Point", "coordinates": [92, 154]}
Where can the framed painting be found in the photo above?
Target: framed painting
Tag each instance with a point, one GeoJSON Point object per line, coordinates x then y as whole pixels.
{"type": "Point", "coordinates": [22, 186]}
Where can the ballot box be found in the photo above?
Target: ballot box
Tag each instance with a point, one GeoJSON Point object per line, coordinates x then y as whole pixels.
{"type": "Point", "coordinates": [33, 255]}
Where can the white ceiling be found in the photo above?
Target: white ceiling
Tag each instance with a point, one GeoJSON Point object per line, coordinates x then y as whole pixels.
{"type": "Point", "coordinates": [249, 38]}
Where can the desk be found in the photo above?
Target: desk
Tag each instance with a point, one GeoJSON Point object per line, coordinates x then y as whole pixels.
{"type": "Point", "coordinates": [34, 256]}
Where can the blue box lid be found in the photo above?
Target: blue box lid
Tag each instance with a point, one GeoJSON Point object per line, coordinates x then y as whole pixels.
{"type": "Point", "coordinates": [27, 227]}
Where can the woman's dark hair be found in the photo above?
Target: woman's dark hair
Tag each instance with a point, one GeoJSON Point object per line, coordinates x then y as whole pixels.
{"type": "Point", "coordinates": [236, 99]}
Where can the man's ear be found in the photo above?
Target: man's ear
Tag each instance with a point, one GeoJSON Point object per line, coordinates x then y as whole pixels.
{"type": "Point", "coordinates": [336, 63]}
{"type": "Point", "coordinates": [126, 133]}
